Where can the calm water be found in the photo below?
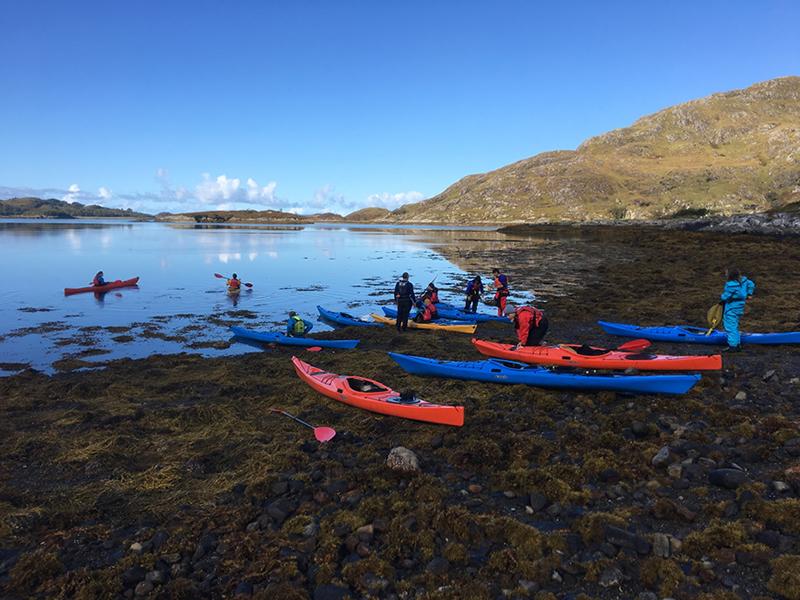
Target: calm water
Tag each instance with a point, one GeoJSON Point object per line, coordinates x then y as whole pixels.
{"type": "Point", "coordinates": [179, 304]}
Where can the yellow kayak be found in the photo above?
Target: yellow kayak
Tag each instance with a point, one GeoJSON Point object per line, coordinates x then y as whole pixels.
{"type": "Point", "coordinates": [414, 325]}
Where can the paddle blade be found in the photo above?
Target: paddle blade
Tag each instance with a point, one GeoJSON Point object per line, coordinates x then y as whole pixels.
{"type": "Point", "coordinates": [634, 345]}
{"type": "Point", "coordinates": [324, 434]}
{"type": "Point", "coordinates": [314, 349]}
{"type": "Point", "coordinates": [218, 276]}
{"type": "Point", "coordinates": [248, 285]}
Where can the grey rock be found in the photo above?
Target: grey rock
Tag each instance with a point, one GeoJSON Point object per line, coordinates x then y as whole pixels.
{"type": "Point", "coordinates": [438, 566]}
{"type": "Point", "coordinates": [727, 478]}
{"type": "Point", "coordinates": [781, 487]}
{"type": "Point", "coordinates": [626, 539]}
{"type": "Point", "coordinates": [245, 588]}
{"type": "Point", "coordinates": [661, 458]}
{"type": "Point", "coordinates": [331, 592]}
{"type": "Point", "coordinates": [403, 460]}
{"type": "Point", "coordinates": [537, 501]}
{"type": "Point", "coordinates": [143, 588]}
{"type": "Point", "coordinates": [610, 576]}
{"type": "Point", "coordinates": [661, 546]}
{"type": "Point", "coordinates": [740, 396]}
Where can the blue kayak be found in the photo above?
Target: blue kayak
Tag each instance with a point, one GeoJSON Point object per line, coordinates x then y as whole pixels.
{"type": "Point", "coordinates": [695, 335]}
{"type": "Point", "coordinates": [341, 318]}
{"type": "Point", "coordinates": [507, 371]}
{"type": "Point", "coordinates": [452, 315]}
{"type": "Point", "coordinates": [271, 337]}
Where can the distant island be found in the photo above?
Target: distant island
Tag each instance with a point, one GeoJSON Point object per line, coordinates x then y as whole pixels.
{"type": "Point", "coordinates": [37, 208]}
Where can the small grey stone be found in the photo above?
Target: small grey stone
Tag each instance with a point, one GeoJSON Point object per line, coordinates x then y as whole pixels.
{"type": "Point", "coordinates": [438, 566]}
{"type": "Point", "coordinates": [727, 478]}
{"type": "Point", "coordinates": [740, 396]}
{"type": "Point", "coordinates": [403, 460]}
{"type": "Point", "coordinates": [661, 458]}
{"type": "Point", "coordinates": [780, 486]}
{"type": "Point", "coordinates": [661, 546]}
{"type": "Point", "coordinates": [610, 576]}
{"type": "Point", "coordinates": [143, 588]}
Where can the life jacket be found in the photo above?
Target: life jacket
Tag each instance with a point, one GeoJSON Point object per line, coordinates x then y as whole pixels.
{"type": "Point", "coordinates": [299, 326]}
{"type": "Point", "coordinates": [430, 313]}
{"type": "Point", "coordinates": [501, 283]}
{"type": "Point", "coordinates": [98, 280]}
{"type": "Point", "coordinates": [536, 314]}
{"type": "Point", "coordinates": [234, 283]}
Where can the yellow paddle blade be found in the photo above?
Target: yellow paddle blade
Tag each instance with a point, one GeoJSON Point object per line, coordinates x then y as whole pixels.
{"type": "Point", "coordinates": [713, 317]}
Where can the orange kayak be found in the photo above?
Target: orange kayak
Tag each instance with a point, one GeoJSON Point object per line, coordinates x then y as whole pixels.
{"type": "Point", "coordinates": [588, 357]}
{"type": "Point", "coordinates": [102, 288]}
{"type": "Point", "coordinates": [371, 395]}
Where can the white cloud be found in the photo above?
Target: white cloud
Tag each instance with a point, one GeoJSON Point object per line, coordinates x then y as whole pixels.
{"type": "Point", "coordinates": [104, 193]}
{"type": "Point", "coordinates": [230, 191]}
{"type": "Point", "coordinates": [72, 193]}
{"type": "Point", "coordinates": [392, 201]}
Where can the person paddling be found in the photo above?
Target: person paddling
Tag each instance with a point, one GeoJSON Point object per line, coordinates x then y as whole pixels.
{"type": "Point", "coordinates": [530, 325]}
{"type": "Point", "coordinates": [99, 279]}
{"type": "Point", "coordinates": [296, 326]}
{"type": "Point", "coordinates": [737, 290]}
{"type": "Point", "coordinates": [429, 312]}
{"type": "Point", "coordinates": [501, 293]}
{"type": "Point", "coordinates": [234, 284]}
{"type": "Point", "coordinates": [431, 292]}
{"type": "Point", "coordinates": [474, 292]}
{"type": "Point", "coordinates": [404, 298]}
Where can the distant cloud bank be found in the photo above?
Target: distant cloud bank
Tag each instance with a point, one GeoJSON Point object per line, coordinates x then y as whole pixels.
{"type": "Point", "coordinates": [216, 193]}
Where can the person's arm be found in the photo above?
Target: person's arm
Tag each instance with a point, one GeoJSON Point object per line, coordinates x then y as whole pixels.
{"type": "Point", "coordinates": [727, 294]}
{"type": "Point", "coordinates": [523, 329]}
{"type": "Point", "coordinates": [750, 287]}
{"type": "Point", "coordinates": [411, 293]}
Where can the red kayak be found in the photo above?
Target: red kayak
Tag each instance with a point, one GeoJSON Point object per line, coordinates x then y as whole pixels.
{"type": "Point", "coordinates": [588, 357]}
{"type": "Point", "coordinates": [102, 288]}
{"type": "Point", "coordinates": [376, 397]}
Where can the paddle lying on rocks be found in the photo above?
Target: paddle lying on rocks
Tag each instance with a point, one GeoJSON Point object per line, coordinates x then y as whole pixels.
{"type": "Point", "coordinates": [323, 434]}
{"type": "Point", "coordinates": [218, 276]}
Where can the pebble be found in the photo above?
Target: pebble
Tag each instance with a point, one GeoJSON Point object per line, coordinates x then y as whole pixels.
{"type": "Point", "coordinates": [727, 478]}
{"type": "Point", "coordinates": [475, 488]}
{"type": "Point", "coordinates": [675, 470]}
{"type": "Point", "coordinates": [610, 576]}
{"type": "Point", "coordinates": [740, 396]}
{"type": "Point", "coordinates": [661, 458]}
{"type": "Point", "coordinates": [331, 592]}
{"type": "Point", "coordinates": [639, 429]}
{"type": "Point", "coordinates": [780, 486]}
{"type": "Point", "coordinates": [245, 588]}
{"type": "Point", "coordinates": [661, 545]}
{"type": "Point", "coordinates": [768, 375]}
{"type": "Point", "coordinates": [143, 588]}
{"type": "Point", "coordinates": [136, 547]}
{"type": "Point", "coordinates": [402, 460]}
{"type": "Point", "coordinates": [438, 566]}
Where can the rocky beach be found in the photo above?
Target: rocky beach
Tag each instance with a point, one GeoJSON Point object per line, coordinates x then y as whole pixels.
{"type": "Point", "coordinates": [169, 477]}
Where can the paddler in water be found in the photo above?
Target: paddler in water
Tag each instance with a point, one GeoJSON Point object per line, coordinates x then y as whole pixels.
{"type": "Point", "coordinates": [530, 325]}
{"type": "Point", "coordinates": [428, 313]}
{"type": "Point", "coordinates": [404, 298]}
{"type": "Point", "coordinates": [99, 279]}
{"type": "Point", "coordinates": [234, 284]}
{"type": "Point", "coordinates": [474, 292]}
{"type": "Point", "coordinates": [501, 295]}
{"type": "Point", "coordinates": [296, 326]}
{"type": "Point", "coordinates": [737, 290]}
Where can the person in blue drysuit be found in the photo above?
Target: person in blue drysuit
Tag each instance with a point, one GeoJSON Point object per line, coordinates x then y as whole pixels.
{"type": "Point", "coordinates": [297, 326]}
{"type": "Point", "coordinates": [737, 290]}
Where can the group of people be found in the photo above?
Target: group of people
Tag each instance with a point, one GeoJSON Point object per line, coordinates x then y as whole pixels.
{"type": "Point", "coordinates": [530, 323]}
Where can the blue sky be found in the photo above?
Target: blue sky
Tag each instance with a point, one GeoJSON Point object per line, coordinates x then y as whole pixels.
{"type": "Point", "coordinates": [313, 106]}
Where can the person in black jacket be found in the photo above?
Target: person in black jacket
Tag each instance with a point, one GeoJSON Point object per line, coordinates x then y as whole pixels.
{"type": "Point", "coordinates": [404, 298]}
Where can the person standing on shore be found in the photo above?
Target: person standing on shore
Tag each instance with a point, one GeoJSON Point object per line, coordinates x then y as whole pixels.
{"type": "Point", "coordinates": [474, 292]}
{"type": "Point", "coordinates": [501, 293]}
{"type": "Point", "coordinates": [404, 299]}
{"type": "Point", "coordinates": [530, 325]}
{"type": "Point", "coordinates": [737, 290]}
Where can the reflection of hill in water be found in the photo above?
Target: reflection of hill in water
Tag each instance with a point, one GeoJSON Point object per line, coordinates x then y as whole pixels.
{"type": "Point", "coordinates": [552, 265]}
{"type": "Point", "coordinates": [36, 228]}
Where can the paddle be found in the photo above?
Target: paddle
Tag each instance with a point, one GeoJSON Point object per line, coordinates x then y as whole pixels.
{"type": "Point", "coordinates": [634, 346]}
{"type": "Point", "coordinates": [713, 317]}
{"type": "Point", "coordinates": [218, 276]}
{"type": "Point", "coordinates": [323, 434]}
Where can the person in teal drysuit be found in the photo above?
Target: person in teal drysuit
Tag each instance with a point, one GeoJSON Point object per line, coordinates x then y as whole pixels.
{"type": "Point", "coordinates": [737, 290]}
{"type": "Point", "coordinates": [297, 326]}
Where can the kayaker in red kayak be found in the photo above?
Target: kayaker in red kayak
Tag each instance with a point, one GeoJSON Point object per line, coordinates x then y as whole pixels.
{"type": "Point", "coordinates": [474, 292]}
{"type": "Point", "coordinates": [429, 313]}
{"type": "Point", "coordinates": [99, 280]}
{"type": "Point", "coordinates": [530, 325]}
{"type": "Point", "coordinates": [234, 283]}
{"type": "Point", "coordinates": [501, 295]}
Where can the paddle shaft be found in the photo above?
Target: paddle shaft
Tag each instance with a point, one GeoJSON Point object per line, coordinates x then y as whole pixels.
{"type": "Point", "coordinates": [220, 276]}
{"type": "Point", "coordinates": [283, 412]}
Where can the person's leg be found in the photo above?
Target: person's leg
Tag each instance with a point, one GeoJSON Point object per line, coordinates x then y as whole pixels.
{"type": "Point", "coordinates": [730, 320]}
{"type": "Point", "coordinates": [405, 315]}
{"type": "Point", "coordinates": [399, 319]}
{"type": "Point", "coordinates": [536, 334]}
{"type": "Point", "coordinates": [466, 305]}
{"type": "Point", "coordinates": [501, 306]}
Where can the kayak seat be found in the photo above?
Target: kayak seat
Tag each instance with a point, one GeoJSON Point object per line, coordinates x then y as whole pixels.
{"type": "Point", "coordinates": [585, 350]}
{"type": "Point", "coordinates": [362, 385]}
{"type": "Point", "coordinates": [347, 316]}
{"type": "Point", "coordinates": [405, 398]}
{"type": "Point", "coordinates": [640, 356]}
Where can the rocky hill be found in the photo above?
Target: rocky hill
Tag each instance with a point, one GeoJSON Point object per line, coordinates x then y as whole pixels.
{"type": "Point", "coordinates": [234, 216]}
{"type": "Point", "coordinates": [58, 209]}
{"type": "Point", "coordinates": [730, 153]}
{"type": "Point", "coordinates": [368, 214]}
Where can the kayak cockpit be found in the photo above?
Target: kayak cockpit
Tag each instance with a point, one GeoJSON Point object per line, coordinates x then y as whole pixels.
{"type": "Point", "coordinates": [365, 386]}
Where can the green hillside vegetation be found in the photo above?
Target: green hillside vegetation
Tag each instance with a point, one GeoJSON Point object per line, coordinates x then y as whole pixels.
{"type": "Point", "coordinates": [368, 214]}
{"type": "Point", "coordinates": [58, 209]}
{"type": "Point", "coordinates": [235, 216]}
{"type": "Point", "coordinates": [730, 153]}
